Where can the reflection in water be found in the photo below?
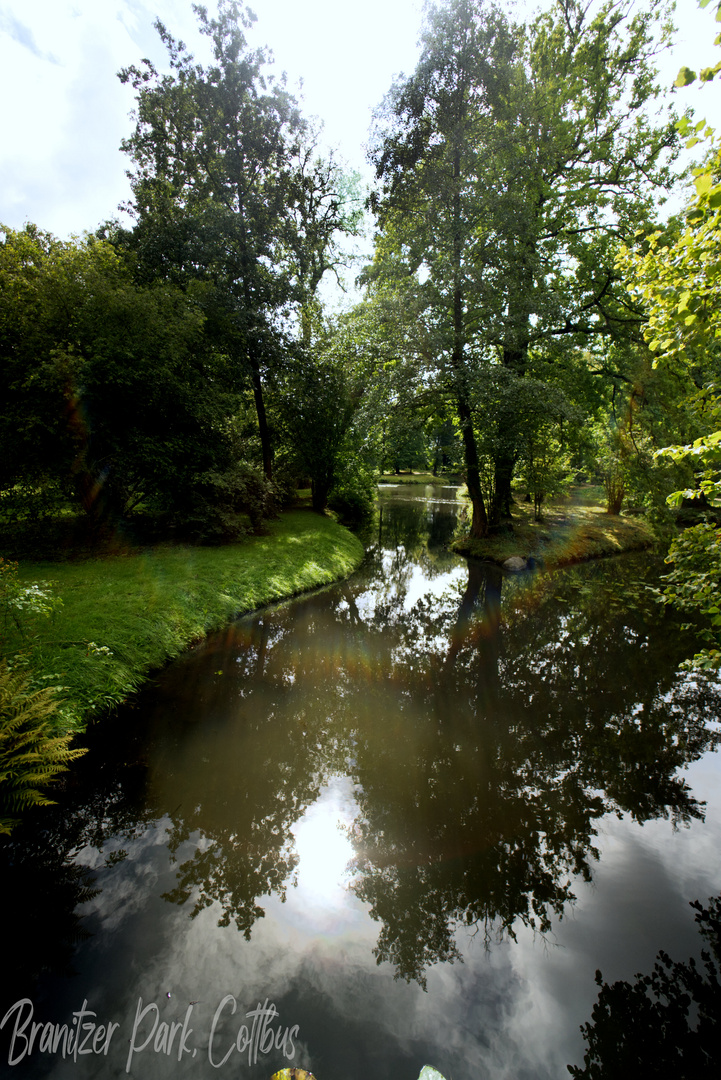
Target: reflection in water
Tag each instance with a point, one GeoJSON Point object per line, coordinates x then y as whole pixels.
{"type": "Point", "coordinates": [431, 744]}
{"type": "Point", "coordinates": [324, 849]}
{"type": "Point", "coordinates": [666, 1024]}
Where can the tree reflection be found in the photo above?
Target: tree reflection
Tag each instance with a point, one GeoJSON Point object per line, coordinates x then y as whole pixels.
{"type": "Point", "coordinates": [665, 1024]}
{"type": "Point", "coordinates": [488, 727]}
{"type": "Point", "coordinates": [264, 744]}
{"type": "Point", "coordinates": [487, 722]}
{"type": "Point", "coordinates": [45, 883]}
{"type": "Point", "coordinates": [480, 805]}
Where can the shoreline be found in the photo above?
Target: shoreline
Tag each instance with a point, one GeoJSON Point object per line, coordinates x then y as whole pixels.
{"type": "Point", "coordinates": [123, 617]}
{"type": "Point", "coordinates": [566, 536]}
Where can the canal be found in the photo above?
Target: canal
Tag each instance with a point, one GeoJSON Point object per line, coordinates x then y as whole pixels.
{"type": "Point", "coordinates": [399, 822]}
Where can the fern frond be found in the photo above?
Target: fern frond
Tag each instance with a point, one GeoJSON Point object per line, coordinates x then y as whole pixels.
{"type": "Point", "coordinates": [32, 751]}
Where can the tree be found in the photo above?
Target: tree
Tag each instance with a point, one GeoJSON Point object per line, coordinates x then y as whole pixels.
{"type": "Point", "coordinates": [510, 162]}
{"type": "Point", "coordinates": [316, 408]}
{"type": "Point", "coordinates": [676, 274]}
{"type": "Point", "coordinates": [229, 194]}
{"type": "Point", "coordinates": [112, 394]}
{"type": "Point", "coordinates": [327, 204]}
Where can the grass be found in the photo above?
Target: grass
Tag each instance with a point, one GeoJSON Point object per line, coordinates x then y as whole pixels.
{"type": "Point", "coordinates": [571, 532]}
{"type": "Point", "coordinates": [124, 615]}
{"type": "Point", "coordinates": [416, 478]}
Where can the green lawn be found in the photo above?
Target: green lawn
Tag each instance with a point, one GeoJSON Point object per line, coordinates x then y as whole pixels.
{"type": "Point", "coordinates": [145, 608]}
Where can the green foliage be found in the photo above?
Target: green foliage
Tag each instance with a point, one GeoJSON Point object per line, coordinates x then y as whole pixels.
{"type": "Point", "coordinates": [316, 407]}
{"type": "Point", "coordinates": [706, 451]}
{"type": "Point", "coordinates": [354, 490]}
{"type": "Point", "coordinates": [33, 751]}
{"type": "Point", "coordinates": [686, 76]}
{"type": "Point", "coordinates": [403, 443]}
{"type": "Point", "coordinates": [220, 506]}
{"type": "Point", "coordinates": [677, 275]}
{"type": "Point", "coordinates": [498, 232]}
{"type": "Point", "coordinates": [231, 199]}
{"type": "Point", "coordinates": [112, 394]}
{"type": "Point", "coordinates": [694, 584]}
{"type": "Point", "coordinates": [613, 451]}
{"type": "Point", "coordinates": [545, 467]}
{"type": "Point", "coordinates": [526, 421]}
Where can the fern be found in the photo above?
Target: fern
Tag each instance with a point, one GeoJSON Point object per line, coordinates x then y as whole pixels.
{"type": "Point", "coordinates": [32, 751]}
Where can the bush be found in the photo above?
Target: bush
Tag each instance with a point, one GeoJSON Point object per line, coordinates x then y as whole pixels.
{"type": "Point", "coordinates": [694, 585]}
{"type": "Point", "coordinates": [287, 480]}
{"type": "Point", "coordinates": [354, 492]}
{"type": "Point", "coordinates": [226, 505]}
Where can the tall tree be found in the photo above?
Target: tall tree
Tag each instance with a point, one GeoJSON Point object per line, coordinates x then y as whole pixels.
{"type": "Point", "coordinates": [510, 162]}
{"type": "Point", "coordinates": [228, 192]}
{"type": "Point", "coordinates": [327, 204]}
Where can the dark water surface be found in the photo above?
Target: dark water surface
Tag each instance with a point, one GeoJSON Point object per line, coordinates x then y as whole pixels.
{"type": "Point", "coordinates": [413, 812]}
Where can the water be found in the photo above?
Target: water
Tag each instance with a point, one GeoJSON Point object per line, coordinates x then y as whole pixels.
{"type": "Point", "coordinates": [399, 822]}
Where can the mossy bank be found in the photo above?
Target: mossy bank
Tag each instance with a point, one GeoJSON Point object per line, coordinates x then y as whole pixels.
{"type": "Point", "coordinates": [568, 534]}
{"type": "Point", "coordinates": [123, 616]}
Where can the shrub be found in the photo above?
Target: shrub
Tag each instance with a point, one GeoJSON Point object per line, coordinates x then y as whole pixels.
{"type": "Point", "coordinates": [227, 505]}
{"type": "Point", "coordinates": [354, 492]}
{"type": "Point", "coordinates": [694, 585]}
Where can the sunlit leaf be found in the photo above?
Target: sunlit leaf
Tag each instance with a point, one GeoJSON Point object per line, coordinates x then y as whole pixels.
{"type": "Point", "coordinates": [292, 1074]}
{"type": "Point", "coordinates": [708, 74]}
{"type": "Point", "coordinates": [685, 77]}
{"type": "Point", "coordinates": [703, 183]}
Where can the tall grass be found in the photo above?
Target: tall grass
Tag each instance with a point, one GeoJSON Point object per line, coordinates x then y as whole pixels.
{"type": "Point", "coordinates": [125, 615]}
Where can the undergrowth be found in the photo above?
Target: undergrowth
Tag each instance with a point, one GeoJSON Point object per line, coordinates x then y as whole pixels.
{"type": "Point", "coordinates": [32, 748]}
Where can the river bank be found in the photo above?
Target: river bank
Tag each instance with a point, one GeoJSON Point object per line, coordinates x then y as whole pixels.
{"type": "Point", "coordinates": [123, 616]}
{"type": "Point", "coordinates": [567, 534]}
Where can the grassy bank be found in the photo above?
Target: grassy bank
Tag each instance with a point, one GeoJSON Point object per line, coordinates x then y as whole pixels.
{"type": "Point", "coordinates": [123, 616]}
{"type": "Point", "coordinates": [568, 534]}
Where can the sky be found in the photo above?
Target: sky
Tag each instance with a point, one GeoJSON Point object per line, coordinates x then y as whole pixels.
{"type": "Point", "coordinates": [65, 112]}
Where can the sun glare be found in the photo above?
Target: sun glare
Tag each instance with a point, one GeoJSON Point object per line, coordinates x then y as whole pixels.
{"type": "Point", "coordinates": [324, 849]}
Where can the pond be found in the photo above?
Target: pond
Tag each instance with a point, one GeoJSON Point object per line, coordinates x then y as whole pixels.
{"type": "Point", "coordinates": [399, 822]}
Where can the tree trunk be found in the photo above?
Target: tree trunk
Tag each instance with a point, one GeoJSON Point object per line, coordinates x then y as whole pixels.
{"type": "Point", "coordinates": [319, 492]}
{"type": "Point", "coordinates": [263, 429]}
{"type": "Point", "coordinates": [515, 358]}
{"type": "Point", "coordinates": [504, 466]}
{"type": "Point", "coordinates": [479, 518]}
